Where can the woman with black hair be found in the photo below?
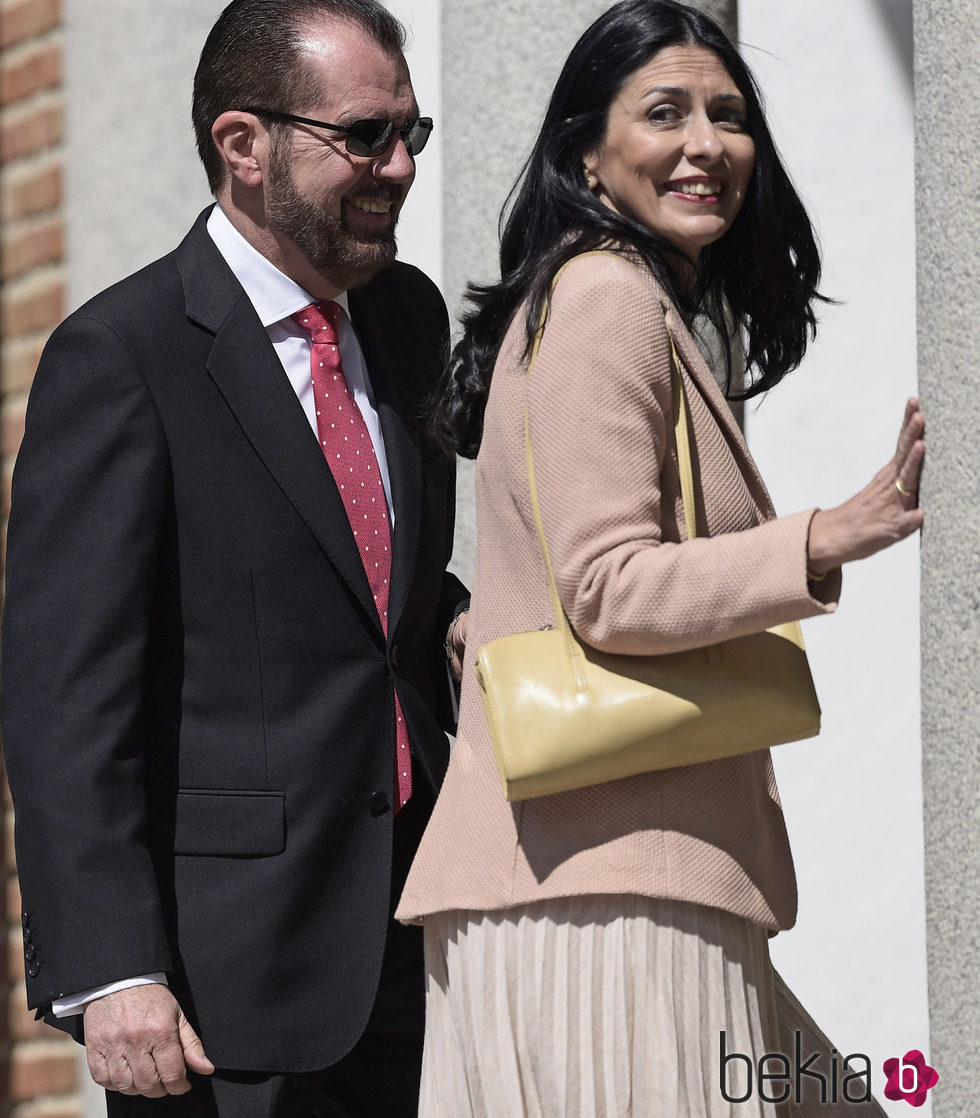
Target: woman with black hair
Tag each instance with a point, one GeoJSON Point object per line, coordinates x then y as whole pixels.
{"type": "Point", "coordinates": [601, 951]}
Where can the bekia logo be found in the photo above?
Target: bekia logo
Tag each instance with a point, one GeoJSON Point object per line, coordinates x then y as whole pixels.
{"type": "Point", "coordinates": [781, 1078]}
{"type": "Point", "coordinates": [819, 1077]}
{"type": "Point", "coordinates": [909, 1078]}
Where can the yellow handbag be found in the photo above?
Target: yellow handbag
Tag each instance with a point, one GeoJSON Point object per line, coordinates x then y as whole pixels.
{"type": "Point", "coordinates": [563, 715]}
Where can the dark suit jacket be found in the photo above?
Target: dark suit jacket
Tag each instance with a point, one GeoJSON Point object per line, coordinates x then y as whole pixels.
{"type": "Point", "coordinates": [197, 691]}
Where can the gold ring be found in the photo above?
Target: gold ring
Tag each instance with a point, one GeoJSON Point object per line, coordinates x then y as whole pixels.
{"type": "Point", "coordinates": [901, 488]}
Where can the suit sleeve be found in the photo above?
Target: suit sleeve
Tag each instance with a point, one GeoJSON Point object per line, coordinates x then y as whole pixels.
{"type": "Point", "coordinates": [89, 499]}
{"type": "Point", "coordinates": [601, 429]}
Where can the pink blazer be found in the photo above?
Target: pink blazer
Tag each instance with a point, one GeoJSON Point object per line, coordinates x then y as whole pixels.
{"type": "Point", "coordinates": [601, 420]}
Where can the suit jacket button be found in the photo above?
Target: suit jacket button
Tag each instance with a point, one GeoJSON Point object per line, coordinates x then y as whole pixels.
{"type": "Point", "coordinates": [27, 935]}
{"type": "Point", "coordinates": [34, 969]}
{"type": "Point", "coordinates": [30, 952]}
{"type": "Point", "coordinates": [378, 804]}
{"type": "Point", "coordinates": [394, 656]}
{"type": "Point", "coordinates": [24, 919]}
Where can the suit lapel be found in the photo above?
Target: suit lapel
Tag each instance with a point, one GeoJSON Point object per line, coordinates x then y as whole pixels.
{"type": "Point", "coordinates": [247, 373]}
{"type": "Point", "coordinates": [388, 381]}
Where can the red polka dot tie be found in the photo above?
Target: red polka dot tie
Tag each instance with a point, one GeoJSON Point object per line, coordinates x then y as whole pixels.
{"type": "Point", "coordinates": [347, 447]}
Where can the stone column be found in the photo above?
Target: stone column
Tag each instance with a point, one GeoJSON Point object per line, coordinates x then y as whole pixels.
{"type": "Point", "coordinates": [135, 185]}
{"type": "Point", "coordinates": [500, 62]}
{"type": "Point", "coordinates": [947, 121]}
{"type": "Point", "coordinates": [724, 12]}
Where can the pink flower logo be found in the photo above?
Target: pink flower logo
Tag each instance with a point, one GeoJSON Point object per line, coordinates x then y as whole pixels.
{"type": "Point", "coordinates": [909, 1078]}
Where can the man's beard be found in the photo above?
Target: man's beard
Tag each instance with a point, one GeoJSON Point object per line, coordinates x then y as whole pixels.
{"type": "Point", "coordinates": [329, 246]}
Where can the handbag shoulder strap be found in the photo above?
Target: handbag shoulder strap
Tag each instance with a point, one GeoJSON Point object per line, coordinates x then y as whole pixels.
{"type": "Point", "coordinates": [681, 436]}
{"type": "Point", "coordinates": [682, 442]}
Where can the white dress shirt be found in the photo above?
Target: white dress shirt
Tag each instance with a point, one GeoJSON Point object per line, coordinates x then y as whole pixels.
{"type": "Point", "coordinates": [275, 298]}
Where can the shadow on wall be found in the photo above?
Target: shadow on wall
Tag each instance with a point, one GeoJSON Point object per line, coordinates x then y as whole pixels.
{"type": "Point", "coordinates": [896, 18]}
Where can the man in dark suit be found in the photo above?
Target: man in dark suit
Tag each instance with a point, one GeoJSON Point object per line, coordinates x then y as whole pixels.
{"type": "Point", "coordinates": [225, 687]}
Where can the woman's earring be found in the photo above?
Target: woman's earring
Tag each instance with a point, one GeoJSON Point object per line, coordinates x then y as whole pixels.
{"type": "Point", "coordinates": [590, 180]}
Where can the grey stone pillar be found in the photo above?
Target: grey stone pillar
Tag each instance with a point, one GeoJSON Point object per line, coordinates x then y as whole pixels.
{"type": "Point", "coordinates": [500, 62]}
{"type": "Point", "coordinates": [134, 181]}
{"type": "Point", "coordinates": [724, 12]}
{"type": "Point", "coordinates": [947, 122]}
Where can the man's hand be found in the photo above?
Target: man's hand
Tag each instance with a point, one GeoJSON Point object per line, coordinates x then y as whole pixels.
{"type": "Point", "coordinates": [140, 1043]}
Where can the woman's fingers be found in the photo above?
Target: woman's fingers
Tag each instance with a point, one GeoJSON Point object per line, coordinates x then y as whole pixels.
{"type": "Point", "coordinates": [882, 513]}
{"type": "Point", "coordinates": [910, 454]}
{"type": "Point", "coordinates": [912, 431]}
{"type": "Point", "coordinates": [910, 473]}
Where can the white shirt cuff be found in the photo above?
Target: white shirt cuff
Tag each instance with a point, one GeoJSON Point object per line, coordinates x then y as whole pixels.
{"type": "Point", "coordinates": [453, 701]}
{"type": "Point", "coordinates": [75, 1003]}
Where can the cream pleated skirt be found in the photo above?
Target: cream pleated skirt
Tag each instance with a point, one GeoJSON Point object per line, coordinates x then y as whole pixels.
{"type": "Point", "coordinates": [611, 1007]}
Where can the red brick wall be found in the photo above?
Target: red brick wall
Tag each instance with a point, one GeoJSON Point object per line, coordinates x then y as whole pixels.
{"type": "Point", "coordinates": [38, 1067]}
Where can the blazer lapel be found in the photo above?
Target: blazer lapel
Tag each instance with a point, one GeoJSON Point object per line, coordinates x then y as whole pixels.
{"type": "Point", "coordinates": [698, 373]}
{"type": "Point", "coordinates": [247, 373]}
{"type": "Point", "coordinates": [374, 331]}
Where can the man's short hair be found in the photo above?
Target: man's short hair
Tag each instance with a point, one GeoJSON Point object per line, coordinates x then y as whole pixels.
{"type": "Point", "coordinates": [254, 56]}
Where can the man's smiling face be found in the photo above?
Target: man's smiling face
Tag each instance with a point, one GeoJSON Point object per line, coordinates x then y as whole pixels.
{"type": "Point", "coordinates": [339, 209]}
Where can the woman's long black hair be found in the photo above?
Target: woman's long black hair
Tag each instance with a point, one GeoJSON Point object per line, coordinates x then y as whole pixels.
{"type": "Point", "coordinates": [764, 270]}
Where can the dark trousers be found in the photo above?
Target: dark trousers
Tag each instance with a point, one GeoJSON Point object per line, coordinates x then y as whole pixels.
{"type": "Point", "coordinates": [378, 1078]}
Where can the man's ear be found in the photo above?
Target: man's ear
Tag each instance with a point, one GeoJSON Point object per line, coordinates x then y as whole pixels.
{"type": "Point", "coordinates": [243, 144]}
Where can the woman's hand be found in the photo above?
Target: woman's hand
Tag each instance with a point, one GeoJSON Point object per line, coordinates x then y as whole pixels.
{"type": "Point", "coordinates": [882, 513]}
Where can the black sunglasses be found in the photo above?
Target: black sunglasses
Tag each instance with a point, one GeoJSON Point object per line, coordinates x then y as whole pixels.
{"type": "Point", "coordinates": [364, 137]}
